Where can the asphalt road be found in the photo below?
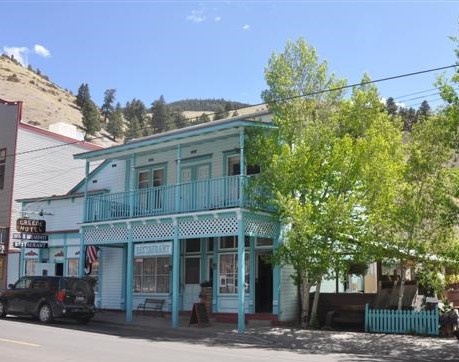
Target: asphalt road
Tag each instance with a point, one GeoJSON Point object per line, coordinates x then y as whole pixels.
{"type": "Point", "coordinates": [23, 339]}
{"type": "Point", "coordinates": [29, 341]}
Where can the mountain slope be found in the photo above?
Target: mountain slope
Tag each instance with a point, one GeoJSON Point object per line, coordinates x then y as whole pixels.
{"type": "Point", "coordinates": [44, 103]}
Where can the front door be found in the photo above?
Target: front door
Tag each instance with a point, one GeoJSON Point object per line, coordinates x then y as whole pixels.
{"type": "Point", "coordinates": [192, 281]}
{"type": "Point", "coordinates": [263, 285]}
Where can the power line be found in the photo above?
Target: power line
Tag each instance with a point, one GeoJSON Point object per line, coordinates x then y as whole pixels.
{"type": "Point", "coordinates": [322, 91]}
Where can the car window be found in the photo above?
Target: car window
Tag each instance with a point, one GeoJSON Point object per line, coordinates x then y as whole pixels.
{"type": "Point", "coordinates": [40, 284]}
{"type": "Point", "coordinates": [23, 283]}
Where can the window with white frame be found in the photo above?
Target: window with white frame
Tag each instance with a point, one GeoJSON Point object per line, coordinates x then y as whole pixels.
{"type": "Point", "coordinates": [228, 273]}
{"type": "Point", "coordinates": [152, 275]}
{"type": "Point", "coordinates": [72, 267]}
{"type": "Point", "coordinates": [31, 266]}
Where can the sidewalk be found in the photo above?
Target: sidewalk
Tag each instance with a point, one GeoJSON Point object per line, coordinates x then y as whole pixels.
{"type": "Point", "coordinates": [370, 346]}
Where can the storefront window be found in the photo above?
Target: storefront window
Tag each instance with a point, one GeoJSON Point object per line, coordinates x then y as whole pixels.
{"type": "Point", "coordinates": [152, 275]}
{"type": "Point", "coordinates": [72, 267]}
{"type": "Point", "coordinates": [228, 273]}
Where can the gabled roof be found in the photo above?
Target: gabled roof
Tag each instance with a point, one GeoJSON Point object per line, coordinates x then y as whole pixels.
{"type": "Point", "coordinates": [202, 129]}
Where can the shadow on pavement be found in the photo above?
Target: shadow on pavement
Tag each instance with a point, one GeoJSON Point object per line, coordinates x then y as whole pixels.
{"type": "Point", "coordinates": [364, 346]}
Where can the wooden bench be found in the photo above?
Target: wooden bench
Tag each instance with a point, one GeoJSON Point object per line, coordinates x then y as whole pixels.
{"type": "Point", "coordinates": [151, 304]}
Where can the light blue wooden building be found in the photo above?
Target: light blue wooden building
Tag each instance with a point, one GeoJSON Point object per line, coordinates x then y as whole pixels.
{"type": "Point", "coordinates": [173, 212]}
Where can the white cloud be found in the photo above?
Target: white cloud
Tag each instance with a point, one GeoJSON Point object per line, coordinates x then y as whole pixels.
{"type": "Point", "coordinates": [19, 53]}
{"type": "Point", "coordinates": [197, 16]}
{"type": "Point", "coordinates": [217, 19]}
{"type": "Point", "coordinates": [41, 50]}
{"type": "Point", "coordinates": [246, 27]}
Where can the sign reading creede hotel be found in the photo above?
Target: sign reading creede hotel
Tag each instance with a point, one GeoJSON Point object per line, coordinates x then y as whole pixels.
{"type": "Point", "coordinates": [31, 226]}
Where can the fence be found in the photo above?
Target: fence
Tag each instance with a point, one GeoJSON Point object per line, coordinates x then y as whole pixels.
{"type": "Point", "coordinates": [402, 321]}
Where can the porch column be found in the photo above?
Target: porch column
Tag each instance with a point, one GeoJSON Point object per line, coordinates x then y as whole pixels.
{"type": "Point", "coordinates": [176, 249]}
{"type": "Point", "coordinates": [129, 275]}
{"type": "Point", "coordinates": [85, 217]}
{"type": "Point", "coordinates": [132, 187]}
{"type": "Point", "coordinates": [241, 274]}
{"type": "Point", "coordinates": [242, 172]}
{"type": "Point", "coordinates": [175, 276]}
{"type": "Point", "coordinates": [276, 274]}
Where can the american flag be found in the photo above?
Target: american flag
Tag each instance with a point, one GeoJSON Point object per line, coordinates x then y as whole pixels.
{"type": "Point", "coordinates": [91, 254]}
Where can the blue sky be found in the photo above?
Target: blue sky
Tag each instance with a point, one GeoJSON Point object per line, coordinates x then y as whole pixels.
{"type": "Point", "coordinates": [219, 49]}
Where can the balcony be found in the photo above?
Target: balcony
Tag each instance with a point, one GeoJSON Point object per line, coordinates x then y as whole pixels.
{"type": "Point", "coordinates": [210, 194]}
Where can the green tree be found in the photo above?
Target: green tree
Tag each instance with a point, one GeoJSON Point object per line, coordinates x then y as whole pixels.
{"type": "Point", "coordinates": [135, 112]}
{"type": "Point", "coordinates": [203, 118]}
{"type": "Point", "coordinates": [107, 106]}
{"type": "Point", "coordinates": [133, 128]}
{"type": "Point", "coordinates": [91, 119]}
{"type": "Point", "coordinates": [83, 96]}
{"type": "Point", "coordinates": [179, 120]}
{"type": "Point", "coordinates": [424, 110]}
{"type": "Point", "coordinates": [115, 122]}
{"type": "Point", "coordinates": [391, 106]}
{"type": "Point", "coordinates": [219, 113]}
{"type": "Point", "coordinates": [327, 165]}
{"type": "Point", "coordinates": [417, 229]}
{"type": "Point", "coordinates": [160, 116]}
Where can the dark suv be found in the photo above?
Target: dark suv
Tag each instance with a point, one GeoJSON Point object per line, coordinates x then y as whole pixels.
{"type": "Point", "coordinates": [47, 298]}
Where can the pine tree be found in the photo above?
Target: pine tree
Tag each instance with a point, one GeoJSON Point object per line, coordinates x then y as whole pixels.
{"type": "Point", "coordinates": [83, 95]}
{"type": "Point", "coordinates": [133, 130]}
{"type": "Point", "coordinates": [179, 120]}
{"type": "Point", "coordinates": [107, 106]}
{"type": "Point", "coordinates": [91, 119]}
{"type": "Point", "coordinates": [115, 122]}
{"type": "Point", "coordinates": [160, 115]}
{"type": "Point", "coordinates": [391, 106]}
{"type": "Point", "coordinates": [136, 109]}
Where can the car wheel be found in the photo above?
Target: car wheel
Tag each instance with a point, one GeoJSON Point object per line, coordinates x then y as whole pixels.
{"type": "Point", "coordinates": [45, 314]}
{"type": "Point", "coordinates": [2, 309]}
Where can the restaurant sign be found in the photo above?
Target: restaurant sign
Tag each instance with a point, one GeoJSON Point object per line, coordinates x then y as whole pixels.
{"type": "Point", "coordinates": [32, 226]}
{"type": "Point", "coordinates": [25, 236]}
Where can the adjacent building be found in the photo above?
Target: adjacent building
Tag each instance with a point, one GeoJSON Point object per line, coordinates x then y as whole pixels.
{"type": "Point", "coordinates": [33, 161]}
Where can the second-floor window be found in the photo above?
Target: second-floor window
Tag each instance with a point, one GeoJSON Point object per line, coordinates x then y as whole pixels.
{"type": "Point", "coordinates": [151, 178]}
{"type": "Point", "coordinates": [151, 199]}
{"type": "Point", "coordinates": [2, 167]}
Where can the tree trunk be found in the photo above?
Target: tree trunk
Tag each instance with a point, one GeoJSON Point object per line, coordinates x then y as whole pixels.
{"type": "Point", "coordinates": [305, 291]}
{"type": "Point", "coordinates": [402, 286]}
{"type": "Point", "coordinates": [313, 321]}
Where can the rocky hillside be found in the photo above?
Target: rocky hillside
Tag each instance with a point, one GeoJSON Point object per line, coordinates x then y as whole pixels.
{"type": "Point", "coordinates": [44, 102]}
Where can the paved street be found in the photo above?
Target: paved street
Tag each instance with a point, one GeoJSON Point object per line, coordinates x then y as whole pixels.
{"type": "Point", "coordinates": [109, 338]}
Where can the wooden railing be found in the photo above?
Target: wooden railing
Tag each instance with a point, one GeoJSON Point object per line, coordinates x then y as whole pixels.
{"type": "Point", "coordinates": [202, 195]}
{"type": "Point", "coordinates": [402, 321]}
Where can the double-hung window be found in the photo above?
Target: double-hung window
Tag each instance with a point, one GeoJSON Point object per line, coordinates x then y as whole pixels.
{"type": "Point", "coordinates": [228, 266]}
{"type": "Point", "coordinates": [152, 274]}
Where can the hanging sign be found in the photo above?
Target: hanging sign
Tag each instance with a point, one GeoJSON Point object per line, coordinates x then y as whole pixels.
{"type": "Point", "coordinates": [25, 236]}
{"type": "Point", "coordinates": [32, 226]}
{"type": "Point", "coordinates": [29, 244]}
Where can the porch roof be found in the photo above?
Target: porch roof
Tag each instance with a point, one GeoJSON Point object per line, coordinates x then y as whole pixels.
{"type": "Point", "coordinates": [195, 133]}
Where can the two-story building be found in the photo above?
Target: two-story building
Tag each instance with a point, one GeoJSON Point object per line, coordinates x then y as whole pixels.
{"type": "Point", "coordinates": [177, 214]}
